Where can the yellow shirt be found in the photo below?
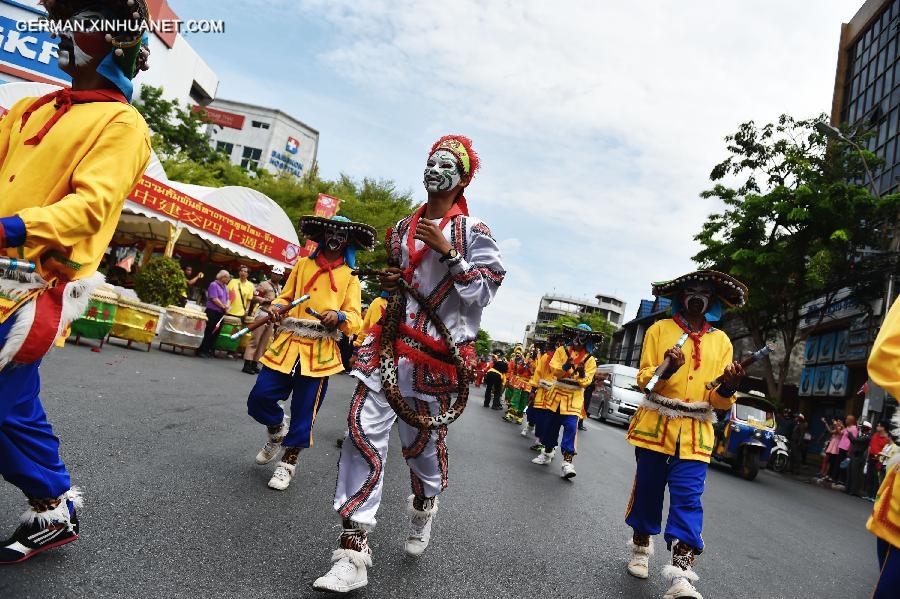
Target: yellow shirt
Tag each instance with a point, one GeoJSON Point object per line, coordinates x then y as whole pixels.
{"type": "Point", "coordinates": [542, 373]}
{"type": "Point", "coordinates": [70, 188]}
{"type": "Point", "coordinates": [241, 294]}
{"type": "Point", "coordinates": [315, 357]}
{"type": "Point", "coordinates": [650, 429]}
{"type": "Point", "coordinates": [373, 315]}
{"type": "Point", "coordinates": [568, 398]}
{"type": "Point", "coordinates": [884, 370]}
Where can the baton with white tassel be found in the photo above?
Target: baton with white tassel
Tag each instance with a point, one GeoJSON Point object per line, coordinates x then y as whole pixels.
{"type": "Point", "coordinates": [263, 321]}
{"type": "Point", "coordinates": [17, 265]}
{"type": "Point", "coordinates": [662, 368]}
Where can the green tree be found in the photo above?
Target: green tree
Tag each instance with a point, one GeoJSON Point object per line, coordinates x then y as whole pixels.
{"type": "Point", "coordinates": [483, 344]}
{"type": "Point", "coordinates": [176, 130]}
{"type": "Point", "coordinates": [795, 227]}
{"type": "Point", "coordinates": [160, 283]}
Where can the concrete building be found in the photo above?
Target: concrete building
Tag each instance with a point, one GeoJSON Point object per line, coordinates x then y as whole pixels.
{"type": "Point", "coordinates": [612, 308]}
{"type": "Point", "coordinates": [174, 65]}
{"type": "Point", "coordinates": [554, 305]}
{"type": "Point", "coordinates": [255, 136]}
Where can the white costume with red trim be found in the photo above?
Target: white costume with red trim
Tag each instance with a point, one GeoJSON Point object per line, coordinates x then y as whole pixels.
{"type": "Point", "coordinates": [458, 290]}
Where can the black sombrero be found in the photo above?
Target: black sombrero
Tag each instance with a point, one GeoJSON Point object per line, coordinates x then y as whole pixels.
{"type": "Point", "coordinates": [569, 332]}
{"type": "Point", "coordinates": [315, 227]}
{"type": "Point", "coordinates": [731, 291]}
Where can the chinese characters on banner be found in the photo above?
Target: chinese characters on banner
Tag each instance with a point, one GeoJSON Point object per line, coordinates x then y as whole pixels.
{"type": "Point", "coordinates": [166, 200]}
{"type": "Point", "coordinates": [326, 206]}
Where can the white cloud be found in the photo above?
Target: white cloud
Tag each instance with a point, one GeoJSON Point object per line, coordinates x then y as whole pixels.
{"type": "Point", "coordinates": [598, 122]}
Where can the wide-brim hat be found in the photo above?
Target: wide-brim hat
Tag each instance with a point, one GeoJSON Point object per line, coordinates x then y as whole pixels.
{"type": "Point", "coordinates": [591, 336]}
{"type": "Point", "coordinates": [360, 235]}
{"type": "Point", "coordinates": [731, 291]}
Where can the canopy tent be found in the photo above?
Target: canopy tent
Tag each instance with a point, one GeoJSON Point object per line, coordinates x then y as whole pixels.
{"type": "Point", "coordinates": [227, 220]}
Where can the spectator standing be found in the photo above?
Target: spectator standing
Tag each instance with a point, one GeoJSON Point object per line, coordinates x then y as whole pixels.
{"type": "Point", "coordinates": [216, 306]}
{"type": "Point", "coordinates": [875, 469]}
{"type": "Point", "coordinates": [844, 445]}
{"type": "Point", "coordinates": [189, 281]}
{"type": "Point", "coordinates": [240, 294]}
{"type": "Point", "coordinates": [799, 443]}
{"type": "Point", "coordinates": [859, 455]}
{"type": "Point", "coordinates": [832, 451]}
{"type": "Point", "coordinates": [264, 294]}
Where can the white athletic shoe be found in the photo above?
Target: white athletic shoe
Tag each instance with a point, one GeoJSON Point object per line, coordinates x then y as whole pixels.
{"type": "Point", "coordinates": [348, 572]}
{"type": "Point", "coordinates": [568, 470]}
{"type": "Point", "coordinates": [282, 476]}
{"type": "Point", "coordinates": [639, 566]}
{"type": "Point", "coordinates": [273, 445]}
{"type": "Point", "coordinates": [526, 431]}
{"type": "Point", "coordinates": [681, 587]}
{"type": "Point", "coordinates": [543, 458]}
{"type": "Point", "coordinates": [419, 528]}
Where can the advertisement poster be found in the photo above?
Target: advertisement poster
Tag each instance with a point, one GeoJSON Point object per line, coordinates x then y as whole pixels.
{"type": "Point", "coordinates": [840, 376]}
{"type": "Point", "coordinates": [842, 346]}
{"type": "Point", "coordinates": [826, 348]}
{"type": "Point", "coordinates": [805, 387]}
{"type": "Point", "coordinates": [822, 383]}
{"type": "Point", "coordinates": [811, 353]}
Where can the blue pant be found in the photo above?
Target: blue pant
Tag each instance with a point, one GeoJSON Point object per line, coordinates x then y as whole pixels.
{"type": "Point", "coordinates": [272, 387]}
{"type": "Point", "coordinates": [686, 479]}
{"type": "Point", "coordinates": [29, 451]}
{"type": "Point", "coordinates": [889, 578]}
{"type": "Point", "coordinates": [550, 434]}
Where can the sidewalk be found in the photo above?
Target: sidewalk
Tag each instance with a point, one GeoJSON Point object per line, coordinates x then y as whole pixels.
{"type": "Point", "coordinates": [809, 474]}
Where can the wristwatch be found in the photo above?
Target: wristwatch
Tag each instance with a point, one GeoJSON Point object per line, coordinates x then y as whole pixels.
{"type": "Point", "coordinates": [451, 254]}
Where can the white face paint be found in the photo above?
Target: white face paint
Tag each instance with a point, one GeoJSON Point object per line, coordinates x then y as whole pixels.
{"type": "Point", "coordinates": [442, 171]}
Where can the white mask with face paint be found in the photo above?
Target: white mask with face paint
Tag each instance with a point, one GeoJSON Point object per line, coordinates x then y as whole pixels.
{"type": "Point", "coordinates": [696, 297]}
{"type": "Point", "coordinates": [442, 171]}
{"type": "Point", "coordinates": [336, 241]}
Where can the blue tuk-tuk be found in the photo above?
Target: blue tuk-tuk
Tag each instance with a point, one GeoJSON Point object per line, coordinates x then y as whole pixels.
{"type": "Point", "coordinates": [745, 434]}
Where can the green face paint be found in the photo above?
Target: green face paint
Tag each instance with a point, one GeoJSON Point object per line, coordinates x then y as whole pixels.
{"type": "Point", "coordinates": [442, 172]}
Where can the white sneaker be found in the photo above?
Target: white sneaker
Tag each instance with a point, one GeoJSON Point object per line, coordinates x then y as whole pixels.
{"type": "Point", "coordinates": [273, 445]}
{"type": "Point", "coordinates": [639, 566]}
{"type": "Point", "coordinates": [348, 572]}
{"type": "Point", "coordinates": [568, 470]}
{"type": "Point", "coordinates": [526, 431]}
{"type": "Point", "coordinates": [419, 528]}
{"type": "Point", "coordinates": [543, 458]}
{"type": "Point", "coordinates": [282, 476]}
{"type": "Point", "coordinates": [681, 587]}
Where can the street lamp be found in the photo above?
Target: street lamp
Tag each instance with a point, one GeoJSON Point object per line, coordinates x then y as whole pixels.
{"type": "Point", "coordinates": [835, 133]}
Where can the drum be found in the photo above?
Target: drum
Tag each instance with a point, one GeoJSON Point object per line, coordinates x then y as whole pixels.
{"type": "Point", "coordinates": [97, 319]}
{"type": "Point", "coordinates": [230, 325]}
{"type": "Point", "coordinates": [136, 321]}
{"type": "Point", "coordinates": [183, 328]}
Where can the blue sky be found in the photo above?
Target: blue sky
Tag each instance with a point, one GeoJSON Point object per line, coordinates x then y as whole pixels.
{"type": "Point", "coordinates": [597, 122]}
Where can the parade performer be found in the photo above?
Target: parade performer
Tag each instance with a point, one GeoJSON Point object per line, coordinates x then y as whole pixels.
{"type": "Point", "coordinates": [68, 160]}
{"type": "Point", "coordinates": [481, 370]}
{"type": "Point", "coordinates": [264, 294]}
{"type": "Point", "coordinates": [451, 263]}
{"type": "Point", "coordinates": [494, 381]}
{"type": "Point", "coordinates": [305, 350]}
{"type": "Point", "coordinates": [521, 390]}
{"type": "Point", "coordinates": [372, 317]}
{"type": "Point", "coordinates": [672, 430]}
{"type": "Point", "coordinates": [884, 523]}
{"type": "Point", "coordinates": [512, 383]}
{"type": "Point", "coordinates": [573, 368]}
{"type": "Point", "coordinates": [541, 382]}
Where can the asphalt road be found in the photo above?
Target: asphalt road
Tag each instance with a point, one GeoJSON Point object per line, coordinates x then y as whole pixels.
{"type": "Point", "coordinates": [176, 507]}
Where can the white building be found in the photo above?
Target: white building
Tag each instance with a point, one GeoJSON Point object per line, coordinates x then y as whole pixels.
{"type": "Point", "coordinates": [254, 136]}
{"type": "Point", "coordinates": [174, 65]}
{"type": "Point", "coordinates": [554, 305]}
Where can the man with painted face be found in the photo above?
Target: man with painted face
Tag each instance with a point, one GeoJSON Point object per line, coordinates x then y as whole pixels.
{"type": "Point", "coordinates": [572, 369]}
{"type": "Point", "coordinates": [454, 261]}
{"type": "Point", "coordinates": [68, 160]}
{"type": "Point", "coordinates": [672, 430]}
{"type": "Point", "coordinates": [305, 350]}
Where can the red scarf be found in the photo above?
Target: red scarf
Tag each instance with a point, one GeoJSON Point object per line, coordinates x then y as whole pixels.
{"type": "Point", "coordinates": [459, 208]}
{"type": "Point", "coordinates": [64, 99]}
{"type": "Point", "coordinates": [694, 335]}
{"type": "Point", "coordinates": [324, 267]}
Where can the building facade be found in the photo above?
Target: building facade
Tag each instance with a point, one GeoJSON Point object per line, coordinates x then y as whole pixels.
{"type": "Point", "coordinates": [628, 340]}
{"type": "Point", "coordinates": [175, 66]}
{"type": "Point", "coordinates": [255, 136]}
{"type": "Point", "coordinates": [555, 305]}
{"type": "Point", "coordinates": [867, 84]}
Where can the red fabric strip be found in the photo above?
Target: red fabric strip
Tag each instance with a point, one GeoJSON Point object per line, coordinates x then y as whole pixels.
{"type": "Point", "coordinates": [47, 314]}
{"type": "Point", "coordinates": [64, 99]}
{"type": "Point", "coordinates": [694, 335]}
{"type": "Point", "coordinates": [416, 256]}
{"type": "Point", "coordinates": [324, 267]}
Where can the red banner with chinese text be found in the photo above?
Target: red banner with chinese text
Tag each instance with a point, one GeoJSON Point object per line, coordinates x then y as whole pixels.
{"type": "Point", "coordinates": [166, 200]}
{"type": "Point", "coordinates": [326, 206]}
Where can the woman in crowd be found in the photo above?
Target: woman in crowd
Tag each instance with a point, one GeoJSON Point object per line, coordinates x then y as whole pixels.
{"type": "Point", "coordinates": [216, 306]}
{"type": "Point", "coordinates": [832, 452]}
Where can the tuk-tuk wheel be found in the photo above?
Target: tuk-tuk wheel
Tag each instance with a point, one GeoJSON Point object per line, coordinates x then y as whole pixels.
{"type": "Point", "coordinates": [749, 464]}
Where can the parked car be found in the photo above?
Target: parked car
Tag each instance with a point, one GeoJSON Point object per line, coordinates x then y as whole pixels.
{"type": "Point", "coordinates": [617, 398]}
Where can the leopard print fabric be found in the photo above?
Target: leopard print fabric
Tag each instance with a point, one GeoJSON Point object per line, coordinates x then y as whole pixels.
{"type": "Point", "coordinates": [394, 315]}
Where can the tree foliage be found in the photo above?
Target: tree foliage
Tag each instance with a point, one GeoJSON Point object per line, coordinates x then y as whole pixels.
{"type": "Point", "coordinates": [160, 283]}
{"type": "Point", "coordinates": [483, 343]}
{"type": "Point", "coordinates": [798, 224]}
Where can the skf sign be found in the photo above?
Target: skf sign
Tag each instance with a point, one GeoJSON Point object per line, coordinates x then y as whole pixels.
{"type": "Point", "coordinates": [30, 55]}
